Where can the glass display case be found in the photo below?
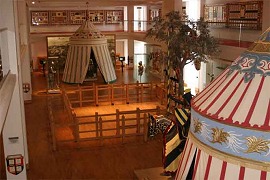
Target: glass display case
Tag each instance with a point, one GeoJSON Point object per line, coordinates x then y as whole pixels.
{"type": "Point", "coordinates": [58, 17]}
{"type": "Point", "coordinates": [39, 18]}
{"type": "Point", "coordinates": [77, 17]}
{"type": "Point", "coordinates": [114, 16]}
{"type": "Point", "coordinates": [248, 15]}
{"type": "Point", "coordinates": [53, 82]}
{"type": "Point", "coordinates": [96, 16]}
{"type": "Point", "coordinates": [215, 15]}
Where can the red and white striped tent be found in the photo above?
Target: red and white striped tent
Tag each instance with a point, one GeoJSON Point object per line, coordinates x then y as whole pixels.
{"type": "Point", "coordinates": [229, 135]}
{"type": "Point", "coordinates": [85, 40]}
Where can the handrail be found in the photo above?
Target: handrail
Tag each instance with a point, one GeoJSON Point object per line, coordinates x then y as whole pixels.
{"type": "Point", "coordinates": [98, 127]}
{"type": "Point", "coordinates": [6, 91]}
{"type": "Point", "coordinates": [138, 92]}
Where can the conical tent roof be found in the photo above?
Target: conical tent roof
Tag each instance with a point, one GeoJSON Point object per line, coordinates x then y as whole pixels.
{"type": "Point", "coordinates": [230, 121]}
{"type": "Point", "coordinates": [86, 39]}
{"type": "Point", "coordinates": [88, 32]}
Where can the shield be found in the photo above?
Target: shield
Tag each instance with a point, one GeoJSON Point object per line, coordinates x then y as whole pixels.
{"type": "Point", "coordinates": [15, 164]}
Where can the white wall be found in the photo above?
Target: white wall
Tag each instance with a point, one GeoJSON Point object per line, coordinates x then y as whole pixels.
{"type": "Point", "coordinates": [14, 125]}
{"type": "Point", "coordinates": [39, 49]}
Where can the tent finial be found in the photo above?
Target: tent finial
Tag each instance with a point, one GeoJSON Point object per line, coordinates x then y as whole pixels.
{"type": "Point", "coordinates": [87, 11]}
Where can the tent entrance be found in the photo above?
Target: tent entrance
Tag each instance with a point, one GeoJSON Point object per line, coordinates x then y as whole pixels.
{"type": "Point", "coordinates": [91, 74]}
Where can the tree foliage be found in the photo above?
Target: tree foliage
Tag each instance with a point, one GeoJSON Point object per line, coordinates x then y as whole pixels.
{"type": "Point", "coordinates": [186, 41]}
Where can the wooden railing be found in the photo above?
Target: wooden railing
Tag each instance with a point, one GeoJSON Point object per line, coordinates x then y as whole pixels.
{"type": "Point", "coordinates": [116, 93]}
{"type": "Point", "coordinates": [97, 127]}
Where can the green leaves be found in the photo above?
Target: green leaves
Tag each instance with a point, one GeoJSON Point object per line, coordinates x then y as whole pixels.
{"type": "Point", "coordinates": [185, 40]}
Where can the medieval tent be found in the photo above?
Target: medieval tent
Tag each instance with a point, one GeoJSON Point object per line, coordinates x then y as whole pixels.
{"type": "Point", "coordinates": [229, 135]}
{"type": "Point", "coordinates": [85, 41]}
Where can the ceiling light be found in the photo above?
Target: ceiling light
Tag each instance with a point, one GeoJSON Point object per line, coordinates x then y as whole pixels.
{"type": "Point", "coordinates": [33, 2]}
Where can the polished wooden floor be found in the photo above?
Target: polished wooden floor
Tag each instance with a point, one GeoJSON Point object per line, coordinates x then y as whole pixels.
{"type": "Point", "coordinates": [107, 162]}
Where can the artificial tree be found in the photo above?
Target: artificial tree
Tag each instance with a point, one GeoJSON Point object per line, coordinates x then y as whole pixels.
{"type": "Point", "coordinates": [186, 41]}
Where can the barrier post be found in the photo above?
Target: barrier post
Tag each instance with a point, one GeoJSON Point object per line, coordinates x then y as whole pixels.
{"type": "Point", "coordinates": [145, 127]}
{"type": "Point", "coordinates": [112, 94]}
{"type": "Point", "coordinates": [117, 122]}
{"type": "Point", "coordinates": [127, 94]}
{"type": "Point", "coordinates": [137, 90]}
{"type": "Point", "coordinates": [141, 89]}
{"type": "Point", "coordinates": [123, 128]}
{"type": "Point", "coordinates": [96, 121]}
{"type": "Point", "coordinates": [138, 120]}
{"type": "Point", "coordinates": [96, 95]}
{"type": "Point", "coordinates": [100, 130]}
{"type": "Point", "coordinates": [80, 95]}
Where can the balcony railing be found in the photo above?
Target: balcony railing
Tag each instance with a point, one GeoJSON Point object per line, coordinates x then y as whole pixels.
{"type": "Point", "coordinates": [124, 26]}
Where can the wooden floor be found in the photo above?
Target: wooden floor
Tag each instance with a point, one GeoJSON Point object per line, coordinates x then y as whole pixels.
{"type": "Point", "coordinates": [108, 162]}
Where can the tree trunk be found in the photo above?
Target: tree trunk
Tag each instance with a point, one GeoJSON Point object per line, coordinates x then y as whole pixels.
{"type": "Point", "coordinates": [181, 81]}
{"type": "Point", "coordinates": [180, 76]}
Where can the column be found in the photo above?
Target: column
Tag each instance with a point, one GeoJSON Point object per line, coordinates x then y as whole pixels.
{"type": "Point", "coordinates": [171, 5]}
{"type": "Point", "coordinates": [266, 15]}
{"type": "Point", "coordinates": [14, 135]}
{"type": "Point", "coordinates": [25, 50]}
{"type": "Point", "coordinates": [130, 15]}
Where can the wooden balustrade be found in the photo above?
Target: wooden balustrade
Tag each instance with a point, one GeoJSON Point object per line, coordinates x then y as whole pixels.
{"type": "Point", "coordinates": [115, 93]}
{"type": "Point", "coordinates": [99, 127]}
{"type": "Point", "coordinates": [121, 124]}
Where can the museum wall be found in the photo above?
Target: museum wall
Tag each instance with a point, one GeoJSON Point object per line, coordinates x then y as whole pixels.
{"type": "Point", "coordinates": [120, 48]}
{"type": "Point", "coordinates": [38, 49]}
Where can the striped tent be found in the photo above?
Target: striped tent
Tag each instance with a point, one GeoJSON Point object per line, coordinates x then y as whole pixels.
{"type": "Point", "coordinates": [229, 135]}
{"type": "Point", "coordinates": [85, 40]}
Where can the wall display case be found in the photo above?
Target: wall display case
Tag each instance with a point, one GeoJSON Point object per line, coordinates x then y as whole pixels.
{"type": "Point", "coordinates": [39, 18]}
{"type": "Point", "coordinates": [114, 16]}
{"type": "Point", "coordinates": [77, 17]}
{"type": "Point", "coordinates": [96, 16]}
{"type": "Point", "coordinates": [153, 13]}
{"type": "Point", "coordinates": [58, 17]}
{"type": "Point", "coordinates": [245, 14]}
{"type": "Point", "coordinates": [215, 15]}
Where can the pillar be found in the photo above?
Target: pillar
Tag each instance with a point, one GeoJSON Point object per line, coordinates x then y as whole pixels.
{"type": "Point", "coordinates": [171, 5]}
{"type": "Point", "coordinates": [25, 49]}
{"type": "Point", "coordinates": [266, 15]}
{"type": "Point", "coordinates": [14, 134]}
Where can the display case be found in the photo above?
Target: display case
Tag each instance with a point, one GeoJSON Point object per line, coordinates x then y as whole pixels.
{"type": "Point", "coordinates": [39, 18]}
{"type": "Point", "coordinates": [77, 17]}
{"type": "Point", "coordinates": [96, 16]}
{"type": "Point", "coordinates": [114, 16]}
{"type": "Point", "coordinates": [152, 13]}
{"type": "Point", "coordinates": [58, 17]}
{"type": "Point", "coordinates": [246, 15]}
{"type": "Point", "coordinates": [215, 15]}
